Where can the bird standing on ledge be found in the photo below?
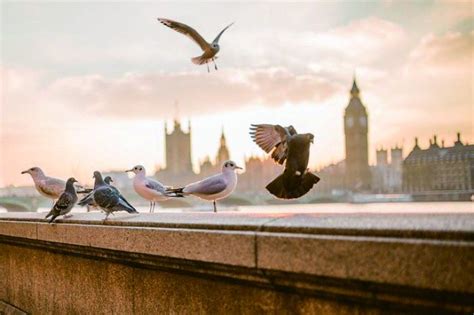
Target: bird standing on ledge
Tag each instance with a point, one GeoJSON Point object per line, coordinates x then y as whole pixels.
{"type": "Point", "coordinates": [66, 201]}
{"type": "Point", "coordinates": [287, 144]}
{"type": "Point", "coordinates": [210, 50]}
{"type": "Point", "coordinates": [147, 187]}
{"type": "Point", "coordinates": [212, 188]}
{"type": "Point", "coordinates": [107, 197]}
{"type": "Point", "coordinates": [49, 187]}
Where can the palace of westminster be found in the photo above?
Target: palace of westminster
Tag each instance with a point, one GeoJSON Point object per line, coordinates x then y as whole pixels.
{"type": "Point", "coordinates": [436, 168]}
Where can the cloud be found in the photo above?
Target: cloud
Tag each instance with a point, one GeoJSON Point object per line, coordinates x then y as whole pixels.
{"type": "Point", "coordinates": [153, 94]}
{"type": "Point", "coordinates": [450, 53]}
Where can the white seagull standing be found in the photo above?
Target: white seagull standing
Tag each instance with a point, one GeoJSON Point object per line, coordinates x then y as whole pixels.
{"type": "Point", "coordinates": [212, 188]}
{"type": "Point", "coordinates": [49, 187]}
{"type": "Point", "coordinates": [147, 187]}
{"type": "Point", "coordinates": [210, 50]}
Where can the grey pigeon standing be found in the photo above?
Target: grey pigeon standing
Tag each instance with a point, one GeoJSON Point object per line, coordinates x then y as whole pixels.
{"type": "Point", "coordinates": [108, 198]}
{"type": "Point", "coordinates": [66, 201]}
{"type": "Point", "coordinates": [88, 200]}
{"type": "Point", "coordinates": [210, 50]}
{"type": "Point", "coordinates": [287, 144]}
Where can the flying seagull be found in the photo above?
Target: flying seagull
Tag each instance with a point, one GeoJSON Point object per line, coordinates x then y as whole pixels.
{"type": "Point", "coordinates": [286, 144]}
{"type": "Point", "coordinates": [66, 201]}
{"type": "Point", "coordinates": [212, 188]}
{"type": "Point", "coordinates": [147, 187]}
{"type": "Point", "coordinates": [107, 198]}
{"type": "Point", "coordinates": [210, 50]}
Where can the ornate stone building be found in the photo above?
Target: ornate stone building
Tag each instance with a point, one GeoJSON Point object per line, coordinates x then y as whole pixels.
{"type": "Point", "coordinates": [258, 173]}
{"type": "Point", "coordinates": [387, 176]}
{"type": "Point", "coordinates": [207, 167]}
{"type": "Point", "coordinates": [178, 150]}
{"type": "Point", "coordinates": [356, 129]}
{"type": "Point", "coordinates": [223, 153]}
{"type": "Point", "coordinates": [439, 168]}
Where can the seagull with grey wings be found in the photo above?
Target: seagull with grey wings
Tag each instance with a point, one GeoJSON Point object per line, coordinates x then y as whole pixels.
{"type": "Point", "coordinates": [210, 50]}
{"type": "Point", "coordinates": [212, 188]}
{"type": "Point", "coordinates": [148, 188]}
{"type": "Point", "coordinates": [66, 201]}
{"type": "Point", "coordinates": [48, 187]}
{"type": "Point", "coordinates": [285, 144]}
{"type": "Point", "coordinates": [107, 197]}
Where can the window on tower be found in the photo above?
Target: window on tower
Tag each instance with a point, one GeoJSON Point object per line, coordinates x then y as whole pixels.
{"type": "Point", "coordinates": [349, 121]}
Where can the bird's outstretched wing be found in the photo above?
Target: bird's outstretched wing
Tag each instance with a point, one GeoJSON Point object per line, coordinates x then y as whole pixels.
{"type": "Point", "coordinates": [186, 30]}
{"type": "Point", "coordinates": [272, 138]}
{"type": "Point", "coordinates": [216, 40]}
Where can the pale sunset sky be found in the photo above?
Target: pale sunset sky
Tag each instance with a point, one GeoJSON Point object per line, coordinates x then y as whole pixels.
{"type": "Point", "coordinates": [88, 85]}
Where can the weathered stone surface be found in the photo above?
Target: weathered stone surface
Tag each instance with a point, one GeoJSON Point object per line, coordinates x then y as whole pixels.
{"type": "Point", "coordinates": [237, 263]}
{"type": "Point", "coordinates": [226, 247]}
{"type": "Point", "coordinates": [438, 225]}
{"type": "Point", "coordinates": [440, 265]}
{"type": "Point", "coordinates": [99, 287]}
{"type": "Point", "coordinates": [18, 229]}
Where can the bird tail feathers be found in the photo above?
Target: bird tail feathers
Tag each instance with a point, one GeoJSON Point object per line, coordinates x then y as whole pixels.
{"type": "Point", "coordinates": [200, 60]}
{"type": "Point", "coordinates": [86, 200]}
{"type": "Point", "coordinates": [289, 186]}
{"type": "Point", "coordinates": [175, 192]}
{"type": "Point", "coordinates": [125, 206]}
{"type": "Point", "coordinates": [52, 218]}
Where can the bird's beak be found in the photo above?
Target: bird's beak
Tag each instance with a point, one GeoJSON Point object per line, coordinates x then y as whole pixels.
{"type": "Point", "coordinates": [312, 140]}
{"type": "Point", "coordinates": [238, 167]}
{"type": "Point", "coordinates": [25, 172]}
{"type": "Point", "coordinates": [129, 171]}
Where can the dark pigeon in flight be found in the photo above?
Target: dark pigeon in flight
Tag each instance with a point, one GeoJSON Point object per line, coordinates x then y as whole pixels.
{"type": "Point", "coordinates": [66, 201]}
{"type": "Point", "coordinates": [285, 144]}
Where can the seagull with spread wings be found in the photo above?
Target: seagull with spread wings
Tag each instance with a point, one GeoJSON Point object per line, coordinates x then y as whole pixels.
{"type": "Point", "coordinates": [210, 50]}
{"type": "Point", "coordinates": [285, 144]}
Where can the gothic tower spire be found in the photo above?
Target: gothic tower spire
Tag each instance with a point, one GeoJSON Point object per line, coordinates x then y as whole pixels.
{"type": "Point", "coordinates": [356, 131]}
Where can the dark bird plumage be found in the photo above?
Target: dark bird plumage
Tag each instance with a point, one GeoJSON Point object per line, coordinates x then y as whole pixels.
{"type": "Point", "coordinates": [66, 201]}
{"type": "Point", "coordinates": [107, 198]}
{"type": "Point", "coordinates": [285, 144]}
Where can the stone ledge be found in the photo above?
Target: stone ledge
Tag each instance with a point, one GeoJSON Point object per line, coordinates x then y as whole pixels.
{"type": "Point", "coordinates": [456, 226]}
{"type": "Point", "coordinates": [381, 258]}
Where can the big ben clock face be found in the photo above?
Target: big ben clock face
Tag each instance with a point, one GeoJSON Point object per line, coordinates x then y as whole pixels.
{"type": "Point", "coordinates": [349, 122]}
{"type": "Point", "coordinates": [363, 121]}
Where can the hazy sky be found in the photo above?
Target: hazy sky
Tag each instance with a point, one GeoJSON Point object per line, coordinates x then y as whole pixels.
{"type": "Point", "coordinates": [88, 85]}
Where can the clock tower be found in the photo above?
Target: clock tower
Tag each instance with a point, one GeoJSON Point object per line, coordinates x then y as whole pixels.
{"type": "Point", "coordinates": [355, 130]}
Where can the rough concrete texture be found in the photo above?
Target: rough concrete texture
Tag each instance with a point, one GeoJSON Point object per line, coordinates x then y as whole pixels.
{"type": "Point", "coordinates": [36, 281]}
{"type": "Point", "coordinates": [228, 263]}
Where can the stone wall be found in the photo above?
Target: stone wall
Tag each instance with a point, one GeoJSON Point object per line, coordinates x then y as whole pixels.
{"type": "Point", "coordinates": [206, 263]}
